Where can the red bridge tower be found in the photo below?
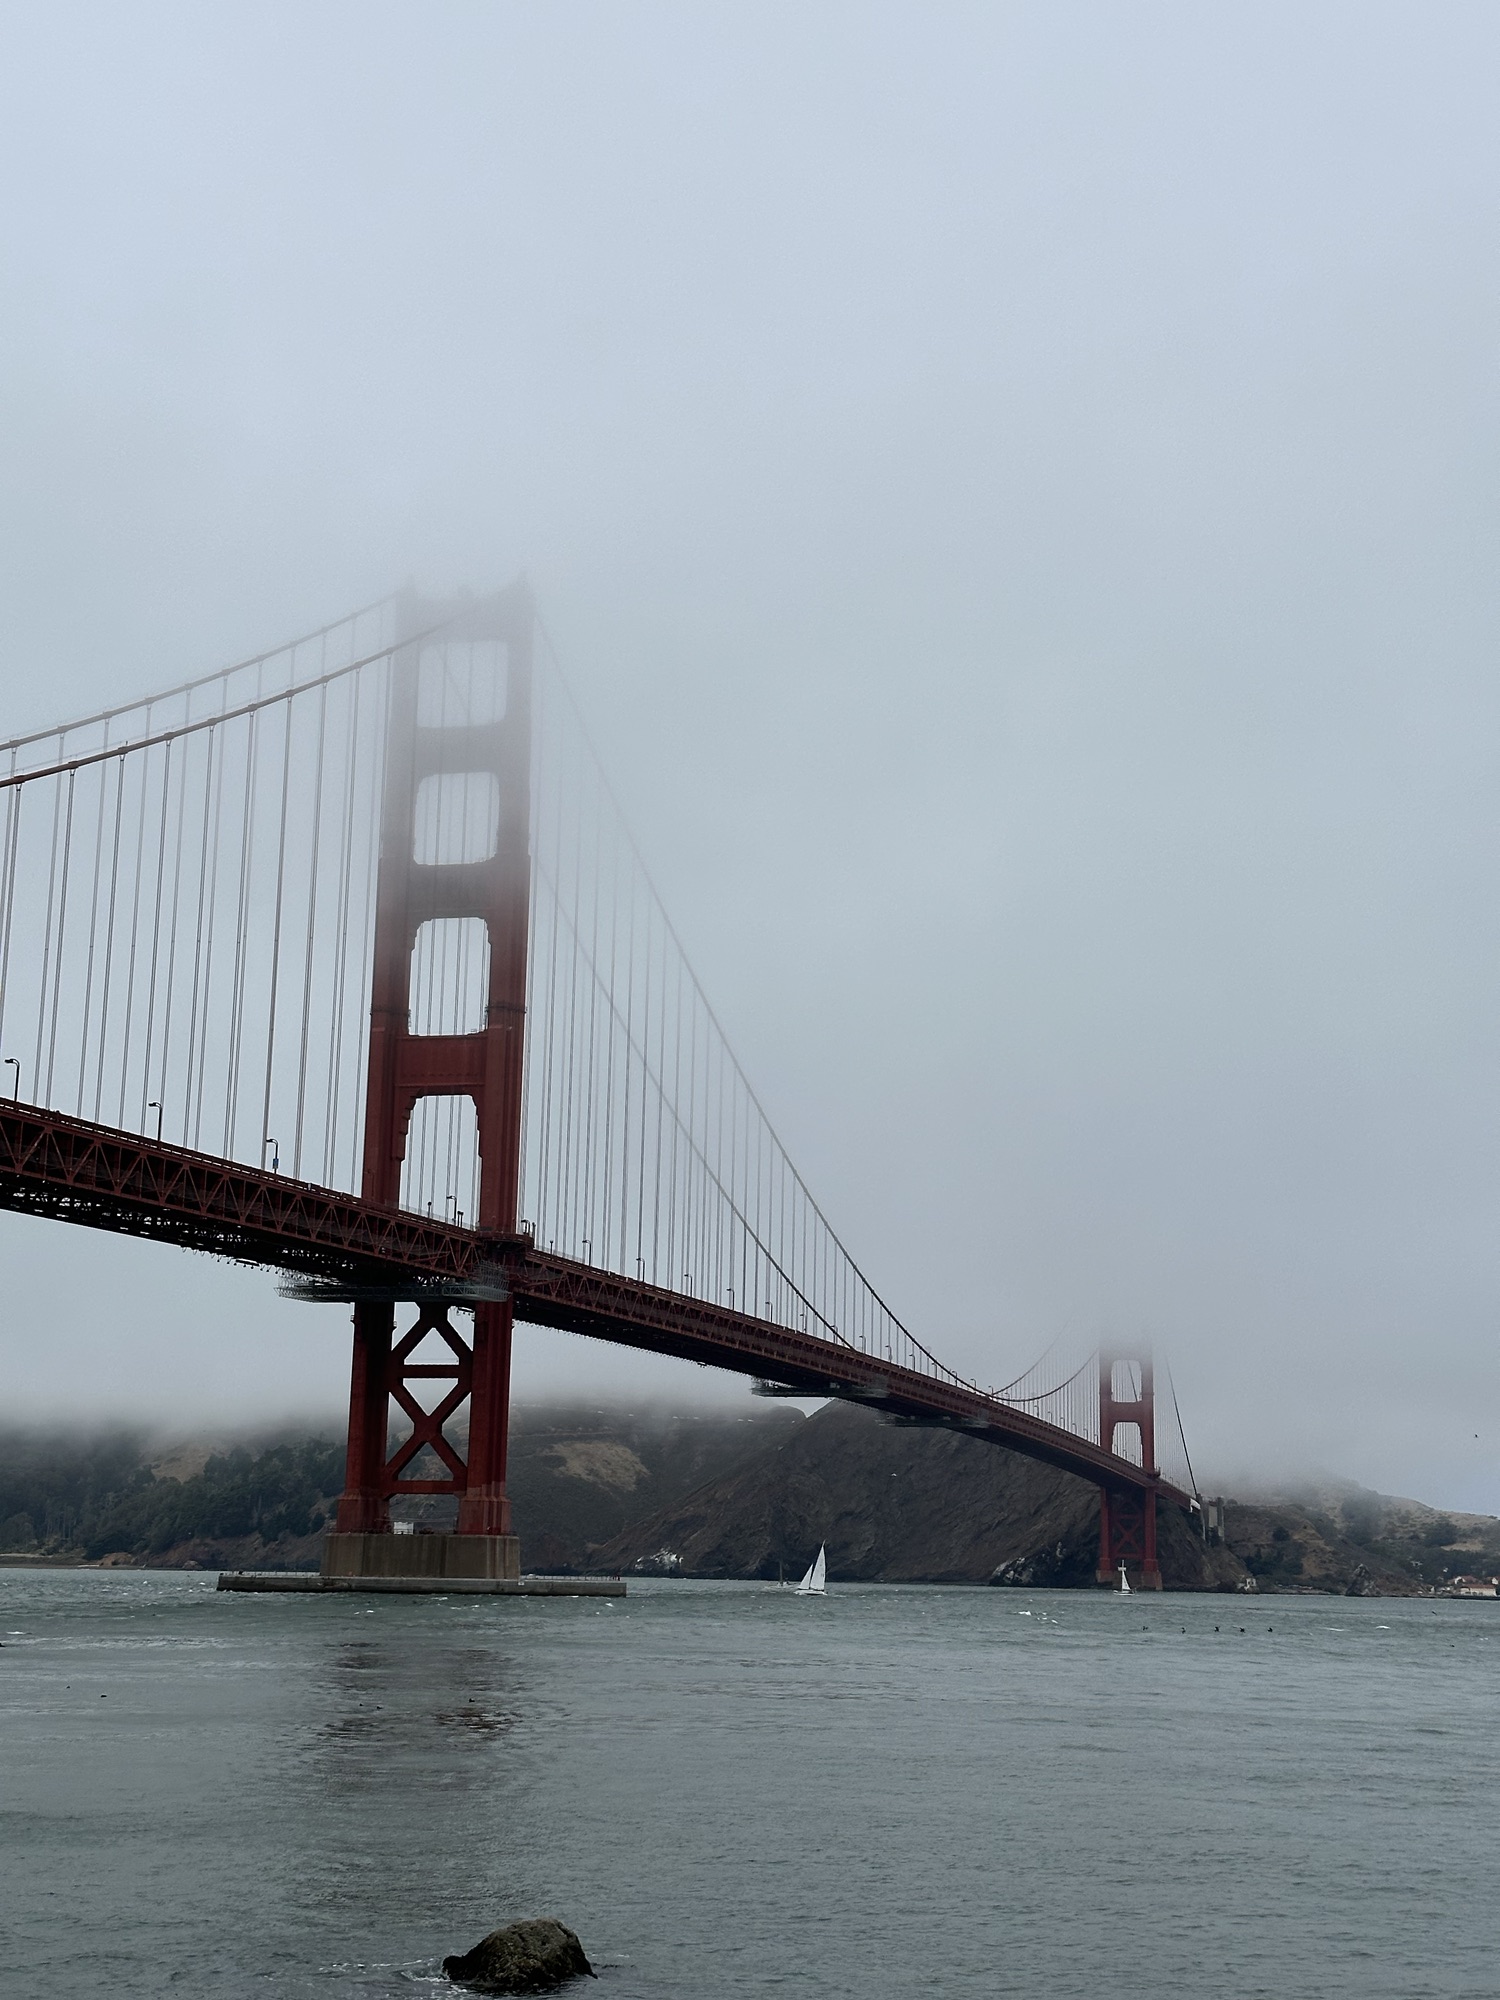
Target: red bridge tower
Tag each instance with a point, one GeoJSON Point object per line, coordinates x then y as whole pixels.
{"type": "Point", "coordinates": [1127, 1514]}
{"type": "Point", "coordinates": [487, 763]}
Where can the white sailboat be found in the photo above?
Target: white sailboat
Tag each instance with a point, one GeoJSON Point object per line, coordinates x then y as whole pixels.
{"type": "Point", "coordinates": [1124, 1582]}
{"type": "Point", "coordinates": [815, 1583]}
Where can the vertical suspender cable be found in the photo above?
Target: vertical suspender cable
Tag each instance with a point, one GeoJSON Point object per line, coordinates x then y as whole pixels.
{"type": "Point", "coordinates": [286, 787]}
{"type": "Point", "coordinates": [135, 927]}
{"type": "Point", "coordinates": [109, 935]}
{"type": "Point", "coordinates": [241, 917]}
{"type": "Point", "coordinates": [566, 1223]}
{"type": "Point", "coordinates": [41, 997]}
{"type": "Point", "coordinates": [640, 1182]}
{"type": "Point", "coordinates": [88, 982]}
{"type": "Point", "coordinates": [13, 798]}
{"type": "Point", "coordinates": [381, 728]}
{"type": "Point", "coordinates": [591, 1220]}
{"type": "Point", "coordinates": [215, 852]}
{"type": "Point", "coordinates": [161, 860]}
{"type": "Point", "coordinates": [628, 1064]}
{"type": "Point", "coordinates": [209, 815]}
{"type": "Point", "coordinates": [341, 949]}
{"type": "Point", "coordinates": [661, 1086]}
{"type": "Point", "coordinates": [312, 921]}
{"type": "Point", "coordinates": [62, 933]}
{"type": "Point", "coordinates": [607, 1212]}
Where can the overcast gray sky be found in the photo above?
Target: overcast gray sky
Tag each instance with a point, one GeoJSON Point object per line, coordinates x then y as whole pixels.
{"type": "Point", "coordinates": [1016, 490]}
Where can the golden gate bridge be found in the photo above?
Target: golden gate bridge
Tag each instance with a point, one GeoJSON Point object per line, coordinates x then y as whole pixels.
{"type": "Point", "coordinates": [341, 960]}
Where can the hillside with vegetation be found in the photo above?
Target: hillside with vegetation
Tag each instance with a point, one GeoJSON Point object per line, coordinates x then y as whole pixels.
{"type": "Point", "coordinates": [708, 1493]}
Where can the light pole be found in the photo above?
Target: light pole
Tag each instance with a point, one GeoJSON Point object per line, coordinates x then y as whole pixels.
{"type": "Point", "coordinates": [275, 1146]}
{"type": "Point", "coordinates": [12, 1062]}
{"type": "Point", "coordinates": [154, 1106]}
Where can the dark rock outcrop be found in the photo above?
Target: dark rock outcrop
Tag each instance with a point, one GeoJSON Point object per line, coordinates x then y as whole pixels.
{"type": "Point", "coordinates": [531, 1957]}
{"type": "Point", "coordinates": [1062, 1566]}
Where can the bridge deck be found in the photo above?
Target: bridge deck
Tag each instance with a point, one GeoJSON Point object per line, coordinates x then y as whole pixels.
{"type": "Point", "coordinates": [96, 1175]}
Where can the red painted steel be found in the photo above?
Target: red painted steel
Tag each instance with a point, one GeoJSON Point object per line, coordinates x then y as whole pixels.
{"type": "Point", "coordinates": [485, 1066]}
{"type": "Point", "coordinates": [555, 1291]}
{"type": "Point", "coordinates": [75, 1171]}
{"type": "Point", "coordinates": [1127, 1514]}
{"type": "Point", "coordinates": [369, 1406]}
{"type": "Point", "coordinates": [53, 1165]}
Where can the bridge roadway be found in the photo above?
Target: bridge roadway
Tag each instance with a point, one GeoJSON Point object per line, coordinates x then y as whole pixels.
{"type": "Point", "coordinates": [340, 1247]}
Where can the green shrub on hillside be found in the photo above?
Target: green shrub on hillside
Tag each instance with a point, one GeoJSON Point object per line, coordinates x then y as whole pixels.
{"type": "Point", "coordinates": [281, 1491]}
{"type": "Point", "coordinates": [98, 1494]}
{"type": "Point", "coordinates": [62, 1482]}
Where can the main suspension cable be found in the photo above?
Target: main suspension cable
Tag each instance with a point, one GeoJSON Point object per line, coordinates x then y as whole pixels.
{"type": "Point", "coordinates": [12, 779]}
{"type": "Point", "coordinates": [108, 715]}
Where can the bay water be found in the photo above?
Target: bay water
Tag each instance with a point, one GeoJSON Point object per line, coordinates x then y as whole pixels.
{"type": "Point", "coordinates": [729, 1790]}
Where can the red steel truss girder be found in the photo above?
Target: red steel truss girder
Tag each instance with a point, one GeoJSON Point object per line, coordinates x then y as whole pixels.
{"type": "Point", "coordinates": [555, 1291]}
{"type": "Point", "coordinates": [54, 1165]}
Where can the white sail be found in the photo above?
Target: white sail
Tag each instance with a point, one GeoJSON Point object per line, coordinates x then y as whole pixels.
{"type": "Point", "coordinates": [815, 1583]}
{"type": "Point", "coordinates": [1124, 1582]}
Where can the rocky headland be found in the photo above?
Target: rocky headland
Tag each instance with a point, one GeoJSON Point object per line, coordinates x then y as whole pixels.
{"type": "Point", "coordinates": [712, 1494]}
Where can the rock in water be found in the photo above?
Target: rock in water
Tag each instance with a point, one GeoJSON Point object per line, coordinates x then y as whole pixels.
{"type": "Point", "coordinates": [532, 1957]}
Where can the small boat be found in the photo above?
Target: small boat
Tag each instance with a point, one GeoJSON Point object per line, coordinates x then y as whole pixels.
{"type": "Point", "coordinates": [1124, 1582]}
{"type": "Point", "coordinates": [815, 1583]}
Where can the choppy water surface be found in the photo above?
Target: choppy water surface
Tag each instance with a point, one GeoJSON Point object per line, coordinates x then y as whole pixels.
{"type": "Point", "coordinates": [728, 1790]}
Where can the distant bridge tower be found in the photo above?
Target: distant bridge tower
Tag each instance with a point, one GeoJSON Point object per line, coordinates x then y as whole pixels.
{"type": "Point", "coordinates": [1127, 1514]}
{"type": "Point", "coordinates": [454, 845]}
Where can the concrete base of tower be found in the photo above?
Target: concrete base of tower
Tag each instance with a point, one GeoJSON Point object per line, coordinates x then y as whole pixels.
{"type": "Point", "coordinates": [495, 1558]}
{"type": "Point", "coordinates": [304, 1583]}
